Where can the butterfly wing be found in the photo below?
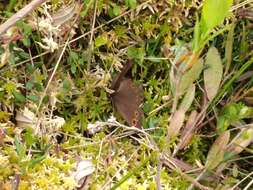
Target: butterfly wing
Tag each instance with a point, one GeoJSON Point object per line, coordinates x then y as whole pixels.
{"type": "Point", "coordinates": [127, 100]}
{"type": "Point", "coordinates": [117, 80]}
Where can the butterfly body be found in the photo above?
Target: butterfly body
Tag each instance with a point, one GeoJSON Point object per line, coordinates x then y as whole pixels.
{"type": "Point", "coordinates": [127, 98]}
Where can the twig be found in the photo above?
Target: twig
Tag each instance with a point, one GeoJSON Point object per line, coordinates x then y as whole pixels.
{"type": "Point", "coordinates": [158, 175]}
{"type": "Point", "coordinates": [99, 155]}
{"type": "Point", "coordinates": [196, 180]}
{"type": "Point", "coordinates": [20, 14]}
{"type": "Point", "coordinates": [170, 164]}
{"type": "Point", "coordinates": [159, 108]}
{"type": "Point", "coordinates": [240, 5]}
{"type": "Point", "coordinates": [236, 185]}
{"type": "Point", "coordinates": [16, 182]}
{"type": "Point", "coordinates": [248, 185]}
{"type": "Point", "coordinates": [49, 81]}
{"type": "Point", "coordinates": [91, 35]}
{"type": "Point", "coordinates": [121, 168]}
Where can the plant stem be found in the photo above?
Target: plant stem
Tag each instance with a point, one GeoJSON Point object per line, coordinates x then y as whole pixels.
{"type": "Point", "coordinates": [130, 173]}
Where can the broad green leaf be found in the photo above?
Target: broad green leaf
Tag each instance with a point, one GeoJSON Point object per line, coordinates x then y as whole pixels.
{"type": "Point", "coordinates": [29, 85]}
{"type": "Point", "coordinates": [11, 5]}
{"type": "Point", "coordinates": [29, 137]}
{"type": "Point", "coordinates": [88, 4]}
{"type": "Point", "coordinates": [23, 55]}
{"type": "Point", "coordinates": [4, 116]}
{"type": "Point", "coordinates": [233, 113]}
{"type": "Point", "coordinates": [214, 13]}
{"type": "Point", "coordinates": [216, 153]}
{"type": "Point", "coordinates": [38, 87]}
{"type": "Point", "coordinates": [26, 42]}
{"type": "Point", "coordinates": [190, 76]}
{"type": "Point", "coordinates": [222, 124]}
{"type": "Point", "coordinates": [137, 53]}
{"type": "Point", "coordinates": [11, 59]}
{"type": "Point", "coordinates": [213, 73]}
{"type": "Point", "coordinates": [19, 97]}
{"type": "Point", "coordinates": [66, 85]}
{"type": "Point", "coordinates": [131, 3]}
{"type": "Point", "coordinates": [73, 56]}
{"type": "Point", "coordinates": [33, 98]}
{"type": "Point", "coordinates": [114, 10]}
{"type": "Point", "coordinates": [196, 35]}
{"type": "Point", "coordinates": [36, 160]}
{"type": "Point", "coordinates": [26, 31]}
{"type": "Point", "coordinates": [188, 98]}
{"type": "Point", "coordinates": [20, 148]}
{"type": "Point", "coordinates": [73, 68]}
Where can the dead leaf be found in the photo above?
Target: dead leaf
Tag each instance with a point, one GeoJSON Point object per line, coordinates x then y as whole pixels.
{"type": "Point", "coordinates": [26, 118]}
{"type": "Point", "coordinates": [213, 73]}
{"type": "Point", "coordinates": [216, 153]}
{"type": "Point", "coordinates": [2, 135]}
{"type": "Point", "coordinates": [188, 131]}
{"type": "Point", "coordinates": [245, 76]}
{"type": "Point", "coordinates": [5, 55]}
{"type": "Point", "coordinates": [176, 123]}
{"type": "Point", "coordinates": [241, 141]}
{"type": "Point", "coordinates": [83, 170]}
{"type": "Point", "coordinates": [47, 123]}
{"type": "Point", "coordinates": [64, 14]}
{"type": "Point", "coordinates": [178, 163]}
{"type": "Point", "coordinates": [190, 76]}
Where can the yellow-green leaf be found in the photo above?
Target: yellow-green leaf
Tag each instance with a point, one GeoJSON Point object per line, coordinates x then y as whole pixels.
{"type": "Point", "coordinates": [216, 153]}
{"type": "Point", "coordinates": [188, 98]}
{"type": "Point", "coordinates": [101, 40]}
{"type": "Point", "coordinates": [213, 73]}
{"type": "Point", "coordinates": [214, 13]}
{"type": "Point", "coordinates": [190, 76]}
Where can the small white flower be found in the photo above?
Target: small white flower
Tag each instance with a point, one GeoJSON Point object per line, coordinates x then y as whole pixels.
{"type": "Point", "coordinates": [112, 119]}
{"type": "Point", "coordinates": [49, 44]}
{"type": "Point", "coordinates": [94, 127]}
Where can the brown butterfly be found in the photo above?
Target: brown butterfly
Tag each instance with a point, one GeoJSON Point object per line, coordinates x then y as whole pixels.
{"type": "Point", "coordinates": [128, 97]}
